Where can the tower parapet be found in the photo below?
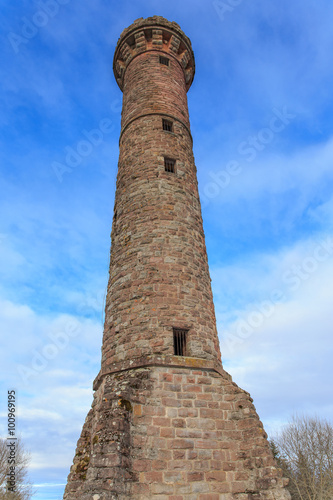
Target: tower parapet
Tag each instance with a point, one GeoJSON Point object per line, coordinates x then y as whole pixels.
{"type": "Point", "coordinates": [153, 34]}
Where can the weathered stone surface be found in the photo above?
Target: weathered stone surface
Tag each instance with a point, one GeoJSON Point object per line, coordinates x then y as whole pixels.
{"type": "Point", "coordinates": [162, 426]}
{"type": "Point", "coordinates": [155, 33]}
{"type": "Point", "coordinates": [183, 432]}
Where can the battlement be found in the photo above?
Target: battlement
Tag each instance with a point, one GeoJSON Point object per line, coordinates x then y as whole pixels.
{"type": "Point", "coordinates": [154, 34]}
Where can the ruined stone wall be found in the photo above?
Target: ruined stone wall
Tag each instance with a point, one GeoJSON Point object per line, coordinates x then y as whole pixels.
{"type": "Point", "coordinates": [166, 433]}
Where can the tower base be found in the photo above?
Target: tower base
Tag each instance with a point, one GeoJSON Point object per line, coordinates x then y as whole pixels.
{"type": "Point", "coordinates": [173, 433]}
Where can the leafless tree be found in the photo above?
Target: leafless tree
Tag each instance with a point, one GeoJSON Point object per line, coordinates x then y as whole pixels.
{"type": "Point", "coordinates": [304, 451]}
{"type": "Point", "coordinates": [23, 489]}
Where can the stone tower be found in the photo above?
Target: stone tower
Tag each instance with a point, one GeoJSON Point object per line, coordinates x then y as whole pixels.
{"type": "Point", "coordinates": [167, 422]}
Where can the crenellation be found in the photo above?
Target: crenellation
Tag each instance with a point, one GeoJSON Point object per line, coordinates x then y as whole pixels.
{"type": "Point", "coordinates": [157, 41]}
{"type": "Point", "coordinates": [174, 44]}
{"type": "Point", "coordinates": [126, 53]}
{"type": "Point", "coordinates": [185, 57]}
{"type": "Point", "coordinates": [140, 41]}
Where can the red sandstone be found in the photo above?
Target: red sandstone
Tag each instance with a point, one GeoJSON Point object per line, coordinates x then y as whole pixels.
{"type": "Point", "coordinates": [164, 426]}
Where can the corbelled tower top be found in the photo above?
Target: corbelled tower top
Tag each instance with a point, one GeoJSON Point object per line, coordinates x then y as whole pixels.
{"type": "Point", "coordinates": [153, 33]}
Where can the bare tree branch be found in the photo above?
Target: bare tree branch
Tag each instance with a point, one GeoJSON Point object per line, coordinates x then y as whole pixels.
{"type": "Point", "coordinates": [23, 487]}
{"type": "Point", "coordinates": [304, 451]}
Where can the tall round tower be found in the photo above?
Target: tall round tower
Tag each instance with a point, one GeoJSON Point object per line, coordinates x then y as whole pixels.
{"type": "Point", "coordinates": [167, 422]}
{"type": "Point", "coordinates": [159, 292]}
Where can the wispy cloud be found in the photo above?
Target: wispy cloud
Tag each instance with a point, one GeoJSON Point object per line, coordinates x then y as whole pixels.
{"type": "Point", "coordinates": [283, 342]}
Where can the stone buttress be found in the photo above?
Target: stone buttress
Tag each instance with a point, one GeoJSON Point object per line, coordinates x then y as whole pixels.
{"type": "Point", "coordinates": [167, 422]}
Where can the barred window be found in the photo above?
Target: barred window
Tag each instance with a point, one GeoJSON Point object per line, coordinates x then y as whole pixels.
{"type": "Point", "coordinates": [169, 165]}
{"type": "Point", "coordinates": [164, 60]}
{"type": "Point", "coordinates": [167, 125]}
{"type": "Point", "coordinates": [179, 341]}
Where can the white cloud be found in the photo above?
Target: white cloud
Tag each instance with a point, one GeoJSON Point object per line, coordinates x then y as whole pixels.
{"type": "Point", "coordinates": [53, 401]}
{"type": "Point", "coordinates": [290, 347]}
{"type": "Point", "coordinates": [11, 261]}
{"type": "Point", "coordinates": [39, 414]}
{"type": "Point", "coordinates": [257, 276]}
{"type": "Point", "coordinates": [271, 173]}
{"type": "Point", "coordinates": [48, 485]}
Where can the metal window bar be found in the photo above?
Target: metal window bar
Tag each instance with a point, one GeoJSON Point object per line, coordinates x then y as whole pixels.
{"type": "Point", "coordinates": [164, 60]}
{"type": "Point", "coordinates": [169, 165]}
{"type": "Point", "coordinates": [167, 125]}
{"type": "Point", "coordinates": [179, 342]}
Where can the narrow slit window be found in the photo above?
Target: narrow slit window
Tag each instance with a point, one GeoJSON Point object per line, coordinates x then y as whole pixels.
{"type": "Point", "coordinates": [164, 60]}
{"type": "Point", "coordinates": [169, 165]}
{"type": "Point", "coordinates": [167, 125]}
{"type": "Point", "coordinates": [179, 342]}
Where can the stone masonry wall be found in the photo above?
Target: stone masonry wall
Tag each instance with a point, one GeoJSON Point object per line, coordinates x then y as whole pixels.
{"type": "Point", "coordinates": [165, 433]}
{"type": "Point", "coordinates": [159, 276]}
{"type": "Point", "coordinates": [153, 88]}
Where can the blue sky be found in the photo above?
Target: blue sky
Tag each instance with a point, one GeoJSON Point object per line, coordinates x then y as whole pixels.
{"type": "Point", "coordinates": [261, 112]}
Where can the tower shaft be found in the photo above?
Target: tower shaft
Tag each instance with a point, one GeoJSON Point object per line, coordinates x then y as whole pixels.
{"type": "Point", "coordinates": [159, 277]}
